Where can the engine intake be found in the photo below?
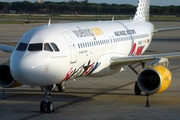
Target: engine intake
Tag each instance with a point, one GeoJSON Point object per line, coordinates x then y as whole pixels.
{"type": "Point", "coordinates": [154, 79]}
{"type": "Point", "coordinates": [6, 79]}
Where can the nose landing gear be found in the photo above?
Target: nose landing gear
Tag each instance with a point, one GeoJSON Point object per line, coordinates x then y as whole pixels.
{"type": "Point", "coordinates": [47, 105]}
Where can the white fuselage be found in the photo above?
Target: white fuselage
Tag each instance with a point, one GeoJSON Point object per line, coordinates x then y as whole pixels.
{"type": "Point", "coordinates": [85, 49]}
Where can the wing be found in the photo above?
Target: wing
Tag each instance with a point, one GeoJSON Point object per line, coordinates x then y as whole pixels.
{"type": "Point", "coordinates": [7, 48]}
{"type": "Point", "coordinates": [122, 61]}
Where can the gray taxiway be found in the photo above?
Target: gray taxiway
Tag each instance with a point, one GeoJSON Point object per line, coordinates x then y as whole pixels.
{"type": "Point", "coordinates": [107, 98]}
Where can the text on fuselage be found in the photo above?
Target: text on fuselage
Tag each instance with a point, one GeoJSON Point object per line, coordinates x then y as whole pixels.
{"type": "Point", "coordinates": [125, 32]}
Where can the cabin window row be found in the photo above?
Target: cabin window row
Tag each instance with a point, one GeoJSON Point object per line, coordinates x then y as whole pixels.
{"type": "Point", "coordinates": [115, 40]}
{"type": "Point", "coordinates": [129, 38]}
{"type": "Point", "coordinates": [93, 43]}
{"type": "Point", "coordinates": [140, 36]}
{"type": "Point", "coordinates": [121, 39]}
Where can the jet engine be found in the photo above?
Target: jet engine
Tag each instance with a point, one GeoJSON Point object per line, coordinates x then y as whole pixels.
{"type": "Point", "coordinates": [6, 79]}
{"type": "Point", "coordinates": [154, 79]}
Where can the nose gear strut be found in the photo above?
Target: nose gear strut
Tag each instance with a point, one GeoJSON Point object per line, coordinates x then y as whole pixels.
{"type": "Point", "coordinates": [47, 105]}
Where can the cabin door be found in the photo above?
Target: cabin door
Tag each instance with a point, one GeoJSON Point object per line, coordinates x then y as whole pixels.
{"type": "Point", "coordinates": [72, 47]}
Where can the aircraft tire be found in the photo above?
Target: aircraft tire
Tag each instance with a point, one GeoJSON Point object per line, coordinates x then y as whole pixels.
{"type": "Point", "coordinates": [137, 91]}
{"type": "Point", "coordinates": [50, 107]}
{"type": "Point", "coordinates": [43, 107]}
{"type": "Point", "coordinates": [62, 86]}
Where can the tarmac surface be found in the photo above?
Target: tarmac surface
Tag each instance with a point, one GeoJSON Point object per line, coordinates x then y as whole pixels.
{"type": "Point", "coordinates": [106, 98]}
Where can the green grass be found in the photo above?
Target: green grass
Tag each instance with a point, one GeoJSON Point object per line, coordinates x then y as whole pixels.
{"type": "Point", "coordinates": [20, 22]}
{"type": "Point", "coordinates": [20, 19]}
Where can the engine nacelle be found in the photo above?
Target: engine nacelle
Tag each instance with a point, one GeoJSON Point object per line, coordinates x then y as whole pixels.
{"type": "Point", "coordinates": [154, 79]}
{"type": "Point", "coordinates": [6, 79]}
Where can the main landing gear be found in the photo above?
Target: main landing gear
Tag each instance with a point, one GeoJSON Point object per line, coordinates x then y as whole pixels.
{"type": "Point", "coordinates": [47, 105]}
{"type": "Point", "coordinates": [61, 86]}
{"type": "Point", "coordinates": [137, 90]}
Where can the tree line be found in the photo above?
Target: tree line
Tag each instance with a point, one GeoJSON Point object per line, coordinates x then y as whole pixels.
{"type": "Point", "coordinates": [81, 8]}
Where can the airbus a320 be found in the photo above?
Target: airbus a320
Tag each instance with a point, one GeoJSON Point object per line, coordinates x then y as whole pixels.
{"type": "Point", "coordinates": [54, 53]}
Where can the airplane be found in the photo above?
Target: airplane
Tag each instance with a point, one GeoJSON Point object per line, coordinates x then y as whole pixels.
{"type": "Point", "coordinates": [55, 53]}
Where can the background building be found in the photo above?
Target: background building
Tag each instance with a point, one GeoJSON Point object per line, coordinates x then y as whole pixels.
{"type": "Point", "coordinates": [40, 1]}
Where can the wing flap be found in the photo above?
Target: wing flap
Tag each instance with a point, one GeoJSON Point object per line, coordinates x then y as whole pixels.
{"type": "Point", "coordinates": [7, 48]}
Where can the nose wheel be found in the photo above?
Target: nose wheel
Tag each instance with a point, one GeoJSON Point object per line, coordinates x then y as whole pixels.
{"type": "Point", "coordinates": [47, 105]}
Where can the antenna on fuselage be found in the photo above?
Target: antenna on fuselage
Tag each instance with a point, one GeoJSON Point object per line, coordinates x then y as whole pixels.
{"type": "Point", "coordinates": [113, 18]}
{"type": "Point", "coordinates": [49, 23]}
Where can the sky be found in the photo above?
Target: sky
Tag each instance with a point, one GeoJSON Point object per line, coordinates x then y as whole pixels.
{"type": "Point", "coordinates": [133, 2]}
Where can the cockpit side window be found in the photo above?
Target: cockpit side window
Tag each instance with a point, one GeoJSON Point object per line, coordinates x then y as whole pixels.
{"type": "Point", "coordinates": [47, 47]}
{"type": "Point", "coordinates": [22, 46]}
{"type": "Point", "coordinates": [54, 47]}
{"type": "Point", "coordinates": [35, 47]}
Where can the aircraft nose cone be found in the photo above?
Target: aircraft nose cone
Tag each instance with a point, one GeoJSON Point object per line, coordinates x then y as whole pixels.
{"type": "Point", "coordinates": [23, 68]}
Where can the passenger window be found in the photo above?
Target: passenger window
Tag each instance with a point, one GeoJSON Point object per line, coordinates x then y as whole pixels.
{"type": "Point", "coordinates": [96, 43]}
{"type": "Point", "coordinates": [55, 47]}
{"type": "Point", "coordinates": [78, 46]}
{"type": "Point", "coordinates": [85, 44]}
{"type": "Point", "coordinates": [47, 47]}
{"type": "Point", "coordinates": [35, 47]}
{"type": "Point", "coordinates": [22, 46]}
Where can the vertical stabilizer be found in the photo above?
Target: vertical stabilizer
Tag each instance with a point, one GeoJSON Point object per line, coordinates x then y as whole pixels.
{"type": "Point", "coordinates": [142, 12]}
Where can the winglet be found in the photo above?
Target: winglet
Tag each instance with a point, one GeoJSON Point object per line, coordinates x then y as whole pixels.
{"type": "Point", "coordinates": [142, 12]}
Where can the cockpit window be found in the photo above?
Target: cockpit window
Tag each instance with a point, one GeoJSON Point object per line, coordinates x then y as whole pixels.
{"type": "Point", "coordinates": [47, 47]}
{"type": "Point", "coordinates": [22, 46]}
{"type": "Point", "coordinates": [35, 47]}
{"type": "Point", "coordinates": [54, 46]}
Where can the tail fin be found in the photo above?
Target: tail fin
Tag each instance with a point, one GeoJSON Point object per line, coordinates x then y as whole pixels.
{"type": "Point", "coordinates": [142, 12]}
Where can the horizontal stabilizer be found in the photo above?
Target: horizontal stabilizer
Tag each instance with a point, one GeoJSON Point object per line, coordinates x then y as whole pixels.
{"type": "Point", "coordinates": [166, 29]}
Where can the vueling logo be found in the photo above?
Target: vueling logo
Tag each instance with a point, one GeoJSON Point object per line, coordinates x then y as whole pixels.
{"type": "Point", "coordinates": [93, 32]}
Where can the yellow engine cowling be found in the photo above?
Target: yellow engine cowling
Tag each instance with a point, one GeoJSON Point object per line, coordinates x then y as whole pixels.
{"type": "Point", "coordinates": [154, 79]}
